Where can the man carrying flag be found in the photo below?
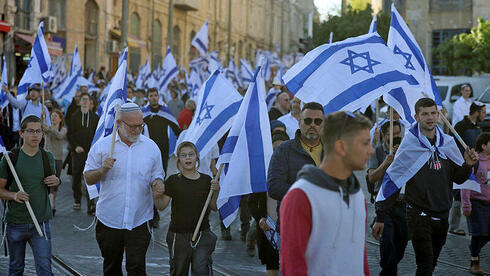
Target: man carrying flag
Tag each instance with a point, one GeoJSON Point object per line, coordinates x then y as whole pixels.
{"type": "Point", "coordinates": [33, 106]}
{"type": "Point", "coordinates": [323, 215]}
{"type": "Point", "coordinates": [35, 169]}
{"type": "Point", "coordinates": [426, 163]}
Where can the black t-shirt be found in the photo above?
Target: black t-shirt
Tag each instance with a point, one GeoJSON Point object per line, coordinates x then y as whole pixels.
{"type": "Point", "coordinates": [188, 198]}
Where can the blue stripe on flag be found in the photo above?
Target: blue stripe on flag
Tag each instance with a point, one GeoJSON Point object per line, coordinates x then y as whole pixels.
{"type": "Point", "coordinates": [360, 89]}
{"type": "Point", "coordinates": [399, 95]}
{"type": "Point", "coordinates": [70, 86]}
{"type": "Point", "coordinates": [254, 144]}
{"type": "Point", "coordinates": [229, 207]}
{"type": "Point", "coordinates": [216, 124]}
{"type": "Point", "coordinates": [229, 145]}
{"type": "Point", "coordinates": [389, 187]}
{"type": "Point", "coordinates": [297, 82]}
{"type": "Point", "coordinates": [415, 50]}
{"type": "Point", "coordinates": [199, 42]}
{"type": "Point", "coordinates": [40, 58]}
{"type": "Point", "coordinates": [435, 90]}
{"type": "Point", "coordinates": [207, 89]}
{"type": "Point", "coordinates": [167, 77]}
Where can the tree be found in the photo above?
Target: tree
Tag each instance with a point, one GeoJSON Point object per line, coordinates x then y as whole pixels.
{"type": "Point", "coordinates": [354, 22]}
{"type": "Point", "coordinates": [467, 53]}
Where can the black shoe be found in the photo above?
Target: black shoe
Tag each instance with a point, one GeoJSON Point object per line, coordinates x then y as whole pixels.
{"type": "Point", "coordinates": [225, 234]}
{"type": "Point", "coordinates": [54, 212]}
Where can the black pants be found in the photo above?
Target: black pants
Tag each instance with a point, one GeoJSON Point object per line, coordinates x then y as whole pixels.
{"type": "Point", "coordinates": [182, 255]}
{"type": "Point", "coordinates": [477, 243]}
{"type": "Point", "coordinates": [428, 237]}
{"type": "Point", "coordinates": [78, 164]}
{"type": "Point", "coordinates": [394, 239]}
{"type": "Point", "coordinates": [244, 215]}
{"type": "Point", "coordinates": [114, 242]}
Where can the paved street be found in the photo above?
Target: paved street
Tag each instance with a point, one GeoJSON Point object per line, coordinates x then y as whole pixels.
{"type": "Point", "coordinates": [80, 251]}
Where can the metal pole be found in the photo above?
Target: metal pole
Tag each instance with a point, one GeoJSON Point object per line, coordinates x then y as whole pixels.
{"type": "Point", "coordinates": [282, 29]}
{"type": "Point", "coordinates": [153, 61]}
{"type": "Point", "coordinates": [170, 15]}
{"type": "Point", "coordinates": [228, 54]}
{"type": "Point", "coordinates": [271, 31]}
{"type": "Point", "coordinates": [124, 24]}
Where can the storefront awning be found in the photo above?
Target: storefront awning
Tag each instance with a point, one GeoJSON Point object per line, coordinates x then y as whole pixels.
{"type": "Point", "coordinates": [132, 40]}
{"type": "Point", "coordinates": [54, 48]}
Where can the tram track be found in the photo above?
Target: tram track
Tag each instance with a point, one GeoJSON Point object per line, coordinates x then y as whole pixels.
{"type": "Point", "coordinates": [64, 267]}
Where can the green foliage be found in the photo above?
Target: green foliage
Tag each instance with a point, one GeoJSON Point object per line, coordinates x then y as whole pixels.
{"type": "Point", "coordinates": [354, 22]}
{"type": "Point", "coordinates": [467, 53]}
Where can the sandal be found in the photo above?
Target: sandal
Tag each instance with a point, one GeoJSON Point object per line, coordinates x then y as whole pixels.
{"type": "Point", "coordinates": [76, 206]}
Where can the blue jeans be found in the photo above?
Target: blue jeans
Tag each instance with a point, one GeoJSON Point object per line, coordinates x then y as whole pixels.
{"type": "Point", "coordinates": [17, 237]}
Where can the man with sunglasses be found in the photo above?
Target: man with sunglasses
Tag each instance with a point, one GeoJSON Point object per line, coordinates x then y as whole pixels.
{"type": "Point", "coordinates": [29, 164]}
{"type": "Point", "coordinates": [324, 213]}
{"type": "Point", "coordinates": [81, 131]}
{"type": "Point", "coordinates": [289, 157]}
{"type": "Point", "coordinates": [130, 181]}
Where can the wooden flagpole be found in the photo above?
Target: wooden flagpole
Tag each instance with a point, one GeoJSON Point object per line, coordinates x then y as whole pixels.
{"type": "Point", "coordinates": [391, 130]}
{"type": "Point", "coordinates": [205, 208]}
{"type": "Point", "coordinates": [43, 112]}
{"type": "Point", "coordinates": [28, 204]}
{"type": "Point", "coordinates": [451, 128]}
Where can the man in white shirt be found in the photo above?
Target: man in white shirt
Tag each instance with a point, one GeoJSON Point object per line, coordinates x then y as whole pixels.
{"type": "Point", "coordinates": [291, 120]}
{"type": "Point", "coordinates": [128, 180]}
{"type": "Point", "coordinates": [461, 107]}
{"type": "Point", "coordinates": [32, 106]}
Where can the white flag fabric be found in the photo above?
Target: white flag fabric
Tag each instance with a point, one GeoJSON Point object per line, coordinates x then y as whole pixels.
{"type": "Point", "coordinates": [3, 94]}
{"type": "Point", "coordinates": [68, 87]}
{"type": "Point", "coordinates": [2, 146]}
{"type": "Point", "coordinates": [194, 84]}
{"type": "Point", "coordinates": [216, 107]}
{"type": "Point", "coordinates": [407, 52]}
{"type": "Point", "coordinates": [115, 96]}
{"type": "Point", "coordinates": [330, 38]}
{"type": "Point", "coordinates": [373, 28]}
{"type": "Point", "coordinates": [38, 69]}
{"type": "Point", "coordinates": [143, 75]}
{"type": "Point", "coordinates": [246, 73]}
{"type": "Point", "coordinates": [168, 72]}
{"type": "Point", "coordinates": [347, 74]}
{"type": "Point", "coordinates": [470, 184]}
{"type": "Point", "coordinates": [246, 152]}
{"type": "Point", "coordinates": [201, 41]}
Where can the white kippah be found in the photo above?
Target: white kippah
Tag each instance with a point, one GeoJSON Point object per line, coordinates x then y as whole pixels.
{"type": "Point", "coordinates": [128, 107]}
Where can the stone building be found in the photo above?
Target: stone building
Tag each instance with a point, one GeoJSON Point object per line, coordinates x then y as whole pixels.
{"type": "Point", "coordinates": [433, 21]}
{"type": "Point", "coordinates": [95, 27]}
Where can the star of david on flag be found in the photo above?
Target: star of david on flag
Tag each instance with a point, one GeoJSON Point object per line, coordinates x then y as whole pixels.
{"type": "Point", "coordinates": [359, 61]}
{"type": "Point", "coordinates": [406, 56]}
{"type": "Point", "coordinates": [204, 113]}
{"type": "Point", "coordinates": [346, 75]}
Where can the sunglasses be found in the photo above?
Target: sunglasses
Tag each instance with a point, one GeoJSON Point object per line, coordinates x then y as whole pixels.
{"type": "Point", "coordinates": [308, 121]}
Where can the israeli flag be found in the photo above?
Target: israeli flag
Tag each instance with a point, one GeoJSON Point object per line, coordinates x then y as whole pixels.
{"type": "Point", "coordinates": [115, 96]}
{"type": "Point", "coordinates": [406, 50]}
{"type": "Point", "coordinates": [2, 146]}
{"type": "Point", "coordinates": [373, 27]}
{"type": "Point", "coordinates": [3, 94]}
{"type": "Point", "coordinates": [347, 74]}
{"type": "Point", "coordinates": [143, 74]}
{"type": "Point", "coordinates": [67, 89]}
{"type": "Point", "coordinates": [169, 72]}
{"type": "Point", "coordinates": [201, 41]}
{"type": "Point", "coordinates": [470, 184]}
{"type": "Point", "coordinates": [232, 74]}
{"type": "Point", "coordinates": [216, 107]}
{"type": "Point", "coordinates": [246, 152]}
{"type": "Point", "coordinates": [246, 73]}
{"type": "Point", "coordinates": [194, 84]}
{"type": "Point", "coordinates": [38, 69]}
{"type": "Point", "coordinates": [330, 38]}
{"type": "Point", "coordinates": [213, 62]}
{"type": "Point", "coordinates": [91, 77]}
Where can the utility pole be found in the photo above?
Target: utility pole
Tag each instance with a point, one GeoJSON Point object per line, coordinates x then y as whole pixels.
{"type": "Point", "coordinates": [124, 25]}
{"type": "Point", "coordinates": [229, 32]}
{"type": "Point", "coordinates": [271, 31]}
{"type": "Point", "coordinates": [153, 61]}
{"type": "Point", "coordinates": [170, 15]}
{"type": "Point", "coordinates": [282, 29]}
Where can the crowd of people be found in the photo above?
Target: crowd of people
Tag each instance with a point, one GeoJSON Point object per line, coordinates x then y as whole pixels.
{"type": "Point", "coordinates": [314, 202]}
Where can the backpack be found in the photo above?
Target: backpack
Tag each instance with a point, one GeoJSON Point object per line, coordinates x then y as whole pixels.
{"type": "Point", "coordinates": [14, 154]}
{"type": "Point", "coordinates": [372, 186]}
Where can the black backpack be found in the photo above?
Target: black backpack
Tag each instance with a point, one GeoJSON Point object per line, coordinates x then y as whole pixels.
{"type": "Point", "coordinates": [14, 154]}
{"type": "Point", "coordinates": [372, 186]}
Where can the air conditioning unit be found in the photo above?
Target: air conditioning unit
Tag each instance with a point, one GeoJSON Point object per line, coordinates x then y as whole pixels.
{"type": "Point", "coordinates": [112, 46]}
{"type": "Point", "coordinates": [52, 26]}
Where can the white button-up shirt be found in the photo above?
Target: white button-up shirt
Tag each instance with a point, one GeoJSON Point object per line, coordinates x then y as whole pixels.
{"type": "Point", "coordinates": [461, 108]}
{"type": "Point", "coordinates": [126, 199]}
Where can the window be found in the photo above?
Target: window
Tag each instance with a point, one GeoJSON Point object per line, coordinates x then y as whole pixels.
{"type": "Point", "coordinates": [193, 52]}
{"type": "Point", "coordinates": [134, 52]}
{"type": "Point", "coordinates": [157, 47]}
{"type": "Point", "coordinates": [176, 43]}
{"type": "Point", "coordinates": [450, 5]}
{"type": "Point", "coordinates": [57, 8]}
{"type": "Point", "coordinates": [92, 19]}
{"type": "Point", "coordinates": [22, 17]}
{"type": "Point", "coordinates": [438, 36]}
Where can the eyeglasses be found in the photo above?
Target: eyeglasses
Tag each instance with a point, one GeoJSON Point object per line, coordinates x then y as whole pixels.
{"type": "Point", "coordinates": [31, 131]}
{"type": "Point", "coordinates": [308, 121]}
{"type": "Point", "coordinates": [190, 155]}
{"type": "Point", "coordinates": [135, 127]}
